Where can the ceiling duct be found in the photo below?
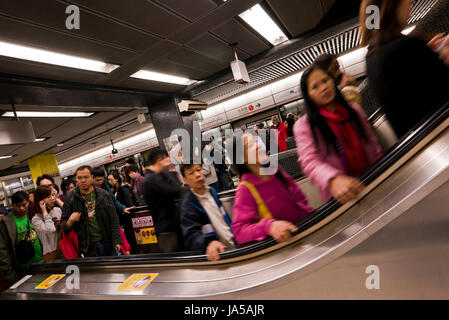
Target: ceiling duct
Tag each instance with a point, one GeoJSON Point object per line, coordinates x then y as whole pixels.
{"type": "Point", "coordinates": [16, 131]}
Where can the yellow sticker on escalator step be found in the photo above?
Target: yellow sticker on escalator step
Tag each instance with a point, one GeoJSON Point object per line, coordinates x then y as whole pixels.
{"type": "Point", "coordinates": [50, 281]}
{"type": "Point", "coordinates": [138, 281]}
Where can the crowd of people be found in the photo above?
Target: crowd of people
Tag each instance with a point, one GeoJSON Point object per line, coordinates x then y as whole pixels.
{"type": "Point", "coordinates": [335, 144]}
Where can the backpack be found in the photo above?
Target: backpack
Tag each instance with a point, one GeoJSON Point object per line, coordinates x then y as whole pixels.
{"type": "Point", "coordinates": [24, 248]}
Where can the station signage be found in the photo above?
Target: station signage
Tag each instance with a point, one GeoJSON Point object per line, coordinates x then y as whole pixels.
{"type": "Point", "coordinates": [250, 108]}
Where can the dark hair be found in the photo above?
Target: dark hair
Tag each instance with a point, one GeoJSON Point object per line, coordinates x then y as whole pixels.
{"type": "Point", "coordinates": [56, 188]}
{"type": "Point", "coordinates": [65, 184]}
{"type": "Point", "coordinates": [186, 166]}
{"type": "Point", "coordinates": [316, 121]}
{"type": "Point", "coordinates": [238, 162]}
{"type": "Point", "coordinates": [290, 122]}
{"type": "Point", "coordinates": [260, 125]}
{"type": "Point", "coordinates": [146, 164]}
{"type": "Point", "coordinates": [325, 60]}
{"type": "Point", "coordinates": [390, 27]}
{"type": "Point", "coordinates": [130, 161]}
{"type": "Point", "coordinates": [28, 195]}
{"type": "Point", "coordinates": [18, 197]}
{"type": "Point", "coordinates": [40, 194]}
{"type": "Point", "coordinates": [156, 154]}
{"type": "Point", "coordinates": [84, 168]}
{"type": "Point", "coordinates": [133, 168]}
{"type": "Point", "coordinates": [44, 177]}
{"type": "Point", "coordinates": [97, 172]}
{"type": "Point", "coordinates": [116, 176]}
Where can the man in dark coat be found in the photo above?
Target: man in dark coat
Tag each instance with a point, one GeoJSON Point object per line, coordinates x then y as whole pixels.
{"type": "Point", "coordinates": [161, 192]}
{"type": "Point", "coordinates": [91, 213]}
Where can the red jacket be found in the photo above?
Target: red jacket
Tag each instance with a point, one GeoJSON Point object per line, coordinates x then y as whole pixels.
{"type": "Point", "coordinates": [282, 136]}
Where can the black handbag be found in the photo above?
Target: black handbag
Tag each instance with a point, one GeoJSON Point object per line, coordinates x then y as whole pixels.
{"type": "Point", "coordinates": [24, 248]}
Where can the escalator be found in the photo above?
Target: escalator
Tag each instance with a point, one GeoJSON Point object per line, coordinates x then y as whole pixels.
{"type": "Point", "coordinates": [400, 224]}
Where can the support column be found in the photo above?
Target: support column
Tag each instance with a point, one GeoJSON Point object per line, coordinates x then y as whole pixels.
{"type": "Point", "coordinates": [166, 118]}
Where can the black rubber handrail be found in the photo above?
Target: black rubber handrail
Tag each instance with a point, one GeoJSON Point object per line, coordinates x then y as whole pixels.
{"type": "Point", "coordinates": [417, 134]}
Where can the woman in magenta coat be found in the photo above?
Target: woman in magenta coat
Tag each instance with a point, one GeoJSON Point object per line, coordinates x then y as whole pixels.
{"type": "Point", "coordinates": [334, 140]}
{"type": "Point", "coordinates": [267, 202]}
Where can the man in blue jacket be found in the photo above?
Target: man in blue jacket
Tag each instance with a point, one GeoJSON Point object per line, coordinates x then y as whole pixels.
{"type": "Point", "coordinates": [204, 222]}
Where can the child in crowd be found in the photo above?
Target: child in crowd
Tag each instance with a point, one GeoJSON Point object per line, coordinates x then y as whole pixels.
{"type": "Point", "coordinates": [265, 204]}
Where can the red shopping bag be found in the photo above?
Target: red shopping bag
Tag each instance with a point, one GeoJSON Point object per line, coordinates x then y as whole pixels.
{"type": "Point", "coordinates": [69, 245]}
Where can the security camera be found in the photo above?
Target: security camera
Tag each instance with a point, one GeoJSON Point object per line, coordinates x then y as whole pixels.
{"type": "Point", "coordinates": [114, 150]}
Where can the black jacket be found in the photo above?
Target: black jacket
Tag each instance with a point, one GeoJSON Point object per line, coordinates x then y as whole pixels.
{"type": "Point", "coordinates": [106, 217]}
{"type": "Point", "coordinates": [409, 80]}
{"type": "Point", "coordinates": [124, 196]}
{"type": "Point", "coordinates": [9, 267]}
{"type": "Point", "coordinates": [161, 193]}
{"type": "Point", "coordinates": [194, 218]}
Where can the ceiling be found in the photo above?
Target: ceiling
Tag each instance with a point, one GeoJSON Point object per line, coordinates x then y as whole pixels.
{"type": "Point", "coordinates": [169, 36]}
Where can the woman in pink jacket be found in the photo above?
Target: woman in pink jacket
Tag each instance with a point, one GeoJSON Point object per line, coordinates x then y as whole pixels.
{"type": "Point", "coordinates": [334, 140]}
{"type": "Point", "coordinates": [265, 204]}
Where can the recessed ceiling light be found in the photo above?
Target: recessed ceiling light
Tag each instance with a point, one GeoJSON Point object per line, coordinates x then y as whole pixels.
{"type": "Point", "coordinates": [161, 77]}
{"type": "Point", "coordinates": [44, 56]}
{"type": "Point", "coordinates": [6, 157]}
{"type": "Point", "coordinates": [38, 114]}
{"type": "Point", "coordinates": [260, 21]}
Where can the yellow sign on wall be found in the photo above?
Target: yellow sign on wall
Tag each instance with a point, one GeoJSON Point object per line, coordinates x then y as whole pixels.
{"type": "Point", "coordinates": [43, 164]}
{"type": "Point", "coordinates": [50, 281]}
{"type": "Point", "coordinates": [138, 281]}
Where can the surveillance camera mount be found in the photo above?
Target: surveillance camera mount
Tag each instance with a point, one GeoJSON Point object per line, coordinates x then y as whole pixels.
{"type": "Point", "coordinates": [114, 150]}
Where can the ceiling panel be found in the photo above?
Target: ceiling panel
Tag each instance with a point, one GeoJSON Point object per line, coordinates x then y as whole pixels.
{"type": "Point", "coordinates": [150, 85]}
{"type": "Point", "coordinates": [140, 13]}
{"type": "Point", "coordinates": [44, 127]}
{"type": "Point", "coordinates": [6, 150]}
{"type": "Point", "coordinates": [62, 133]}
{"type": "Point", "coordinates": [298, 16]}
{"type": "Point", "coordinates": [26, 34]}
{"type": "Point", "coordinates": [188, 57]}
{"type": "Point", "coordinates": [175, 68]}
{"type": "Point", "coordinates": [42, 70]}
{"type": "Point", "coordinates": [215, 49]}
{"type": "Point", "coordinates": [187, 9]}
{"type": "Point", "coordinates": [233, 31]}
{"type": "Point", "coordinates": [91, 25]}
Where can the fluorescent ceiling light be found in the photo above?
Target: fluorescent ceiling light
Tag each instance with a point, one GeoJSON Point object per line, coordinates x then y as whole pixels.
{"type": "Point", "coordinates": [161, 77]}
{"type": "Point", "coordinates": [408, 30]}
{"type": "Point", "coordinates": [59, 59]}
{"type": "Point", "coordinates": [5, 157]}
{"type": "Point", "coordinates": [260, 21]}
{"type": "Point", "coordinates": [40, 139]}
{"type": "Point", "coordinates": [38, 114]}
